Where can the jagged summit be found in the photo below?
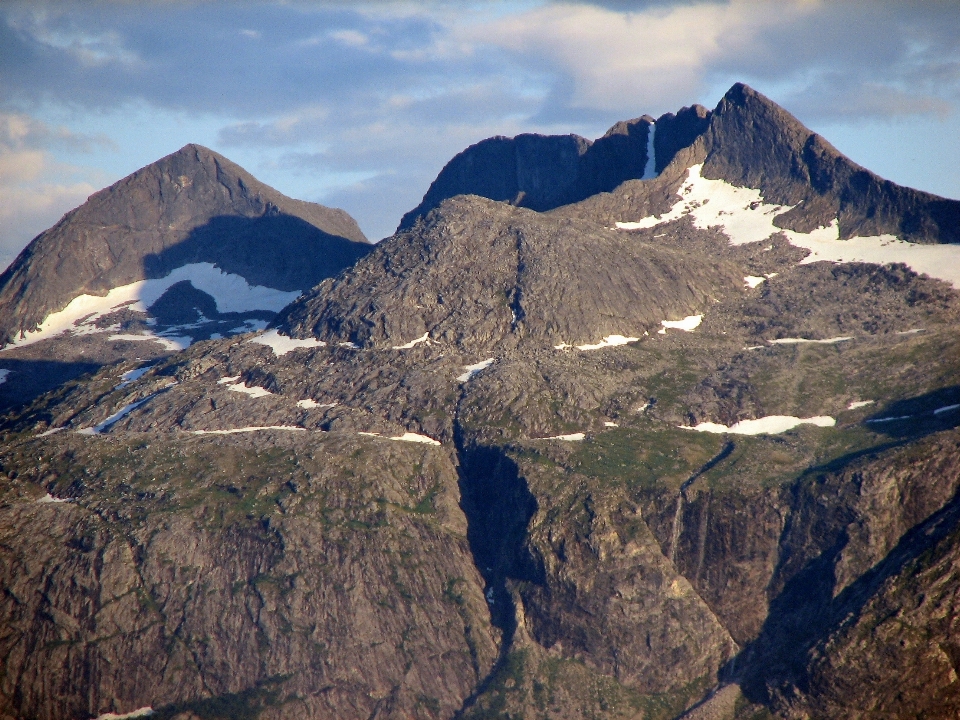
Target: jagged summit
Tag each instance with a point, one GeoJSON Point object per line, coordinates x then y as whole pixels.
{"type": "Point", "coordinates": [747, 140]}
{"type": "Point", "coordinates": [191, 206]}
{"type": "Point", "coordinates": [541, 172]}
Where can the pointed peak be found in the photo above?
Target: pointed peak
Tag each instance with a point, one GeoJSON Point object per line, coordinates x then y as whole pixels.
{"type": "Point", "coordinates": [743, 96]}
{"type": "Point", "coordinates": [193, 152]}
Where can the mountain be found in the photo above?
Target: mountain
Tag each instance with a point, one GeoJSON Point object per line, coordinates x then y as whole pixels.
{"type": "Point", "coordinates": [190, 236]}
{"type": "Point", "coordinates": [541, 172]}
{"type": "Point", "coordinates": [747, 140]}
{"type": "Point", "coordinates": [682, 446]}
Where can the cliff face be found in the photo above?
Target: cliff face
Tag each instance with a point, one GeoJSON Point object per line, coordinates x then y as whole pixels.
{"type": "Point", "coordinates": [288, 578]}
{"type": "Point", "coordinates": [541, 172]}
{"type": "Point", "coordinates": [518, 464]}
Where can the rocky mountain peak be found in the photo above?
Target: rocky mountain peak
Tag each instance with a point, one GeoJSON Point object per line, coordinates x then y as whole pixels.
{"type": "Point", "coordinates": [192, 206]}
{"type": "Point", "coordinates": [751, 141]}
{"type": "Point", "coordinates": [541, 172]}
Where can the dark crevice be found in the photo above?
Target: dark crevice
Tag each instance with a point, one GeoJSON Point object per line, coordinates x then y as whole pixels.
{"type": "Point", "coordinates": [498, 507]}
{"type": "Point", "coordinates": [516, 299]}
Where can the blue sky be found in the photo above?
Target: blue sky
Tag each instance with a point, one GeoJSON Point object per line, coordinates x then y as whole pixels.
{"type": "Point", "coordinates": [359, 105]}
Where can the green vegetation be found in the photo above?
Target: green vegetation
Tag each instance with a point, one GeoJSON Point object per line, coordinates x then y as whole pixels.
{"type": "Point", "coordinates": [244, 705]}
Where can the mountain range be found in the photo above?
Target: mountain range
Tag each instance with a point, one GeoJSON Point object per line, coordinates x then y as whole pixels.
{"type": "Point", "coordinates": [659, 425]}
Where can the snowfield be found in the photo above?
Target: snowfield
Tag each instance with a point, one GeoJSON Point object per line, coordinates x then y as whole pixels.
{"type": "Point", "coordinates": [770, 425]}
{"type": "Point", "coordinates": [472, 370]}
{"type": "Point", "coordinates": [281, 344]}
{"type": "Point", "coordinates": [231, 293]}
{"type": "Point", "coordinates": [744, 218]}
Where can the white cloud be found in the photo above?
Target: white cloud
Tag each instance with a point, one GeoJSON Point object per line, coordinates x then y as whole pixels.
{"type": "Point", "coordinates": [656, 59]}
{"type": "Point", "coordinates": [36, 189]}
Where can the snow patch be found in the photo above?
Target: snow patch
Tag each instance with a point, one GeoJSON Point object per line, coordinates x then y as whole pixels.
{"type": "Point", "coordinates": [3, 376]}
{"type": "Point", "coordinates": [770, 425]}
{"type": "Point", "coordinates": [132, 375]}
{"type": "Point", "coordinates": [946, 409]}
{"type": "Point", "coordinates": [798, 341]}
{"type": "Point", "coordinates": [251, 428]}
{"type": "Point", "coordinates": [254, 391]}
{"type": "Point", "coordinates": [142, 712]}
{"type": "Point", "coordinates": [230, 292]}
{"type": "Point", "coordinates": [751, 281]}
{"type": "Point", "coordinates": [572, 437]}
{"type": "Point", "coordinates": [249, 326]}
{"type": "Point", "coordinates": [608, 341]}
{"type": "Point", "coordinates": [425, 338]}
{"type": "Point", "coordinates": [48, 498]}
{"type": "Point", "coordinates": [859, 404]}
{"type": "Point", "coordinates": [173, 344]}
{"type": "Point", "coordinates": [472, 370]}
{"type": "Point", "coordinates": [414, 437]}
{"type": "Point", "coordinates": [889, 419]}
{"type": "Point", "coordinates": [688, 324]}
{"type": "Point", "coordinates": [118, 415]}
{"type": "Point", "coordinates": [281, 344]}
{"type": "Point", "coordinates": [309, 404]}
{"type": "Point", "coordinates": [610, 424]}
{"type": "Point", "coordinates": [745, 218]}
{"type": "Point", "coordinates": [51, 431]}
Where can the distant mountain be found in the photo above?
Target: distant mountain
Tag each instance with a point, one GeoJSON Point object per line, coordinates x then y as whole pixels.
{"type": "Point", "coordinates": [660, 435]}
{"type": "Point", "coordinates": [188, 248]}
{"type": "Point", "coordinates": [193, 206]}
{"type": "Point", "coordinates": [541, 172]}
{"type": "Point", "coordinates": [748, 140]}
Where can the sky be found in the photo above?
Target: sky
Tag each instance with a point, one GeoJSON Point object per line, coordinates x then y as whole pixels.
{"type": "Point", "coordinates": [360, 104]}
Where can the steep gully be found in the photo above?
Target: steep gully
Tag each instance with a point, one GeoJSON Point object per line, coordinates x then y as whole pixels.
{"type": "Point", "coordinates": [682, 496]}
